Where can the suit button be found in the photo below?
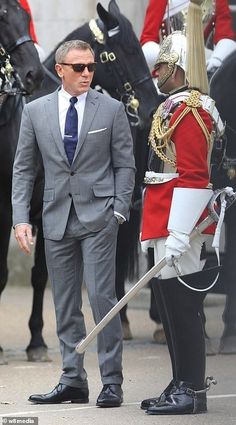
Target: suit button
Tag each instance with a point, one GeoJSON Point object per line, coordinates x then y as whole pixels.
{"type": "Point", "coordinates": [70, 195]}
{"type": "Point", "coordinates": [72, 173]}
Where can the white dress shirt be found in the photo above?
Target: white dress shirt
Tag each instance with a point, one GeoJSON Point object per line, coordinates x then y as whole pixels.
{"type": "Point", "coordinates": [63, 105]}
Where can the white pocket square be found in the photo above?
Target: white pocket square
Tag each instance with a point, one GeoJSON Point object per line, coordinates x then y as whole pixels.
{"type": "Point", "coordinates": [97, 131]}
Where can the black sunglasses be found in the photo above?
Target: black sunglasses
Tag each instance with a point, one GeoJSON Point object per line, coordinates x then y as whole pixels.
{"type": "Point", "coordinates": [80, 67]}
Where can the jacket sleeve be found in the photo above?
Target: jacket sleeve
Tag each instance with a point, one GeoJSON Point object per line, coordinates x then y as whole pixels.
{"type": "Point", "coordinates": [123, 162]}
{"type": "Point", "coordinates": [191, 150]}
{"type": "Point", "coordinates": [223, 22]}
{"type": "Point", "coordinates": [24, 170]}
{"type": "Point", "coordinates": [152, 21]}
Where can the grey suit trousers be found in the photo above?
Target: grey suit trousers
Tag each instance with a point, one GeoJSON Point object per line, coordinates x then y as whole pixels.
{"type": "Point", "coordinates": [89, 257]}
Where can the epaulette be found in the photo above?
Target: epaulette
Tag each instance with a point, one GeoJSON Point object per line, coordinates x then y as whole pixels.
{"type": "Point", "coordinates": [160, 133]}
{"type": "Point", "coordinates": [206, 103]}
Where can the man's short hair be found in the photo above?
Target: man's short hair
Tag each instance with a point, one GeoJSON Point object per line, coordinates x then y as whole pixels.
{"type": "Point", "coordinates": [65, 47]}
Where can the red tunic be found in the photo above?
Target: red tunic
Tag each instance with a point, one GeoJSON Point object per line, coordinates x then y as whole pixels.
{"type": "Point", "coordinates": [192, 166]}
{"type": "Point", "coordinates": [222, 22]}
{"type": "Point", "coordinates": [25, 5]}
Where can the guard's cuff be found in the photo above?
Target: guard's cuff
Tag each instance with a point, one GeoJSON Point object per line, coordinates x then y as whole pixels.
{"type": "Point", "coordinates": [187, 207]}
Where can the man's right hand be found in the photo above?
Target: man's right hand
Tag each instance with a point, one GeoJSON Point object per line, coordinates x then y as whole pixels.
{"type": "Point", "coordinates": [24, 237]}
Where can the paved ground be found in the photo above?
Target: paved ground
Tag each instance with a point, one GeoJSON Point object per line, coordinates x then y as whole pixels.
{"type": "Point", "coordinates": [146, 369]}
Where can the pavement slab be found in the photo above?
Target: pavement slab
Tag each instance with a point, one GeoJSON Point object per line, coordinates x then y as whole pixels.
{"type": "Point", "coordinates": [146, 368]}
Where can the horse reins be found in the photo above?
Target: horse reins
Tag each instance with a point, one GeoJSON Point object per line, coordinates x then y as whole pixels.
{"type": "Point", "coordinates": [125, 88]}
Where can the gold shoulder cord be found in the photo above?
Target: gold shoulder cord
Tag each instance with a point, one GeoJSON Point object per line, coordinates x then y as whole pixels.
{"type": "Point", "coordinates": [160, 134]}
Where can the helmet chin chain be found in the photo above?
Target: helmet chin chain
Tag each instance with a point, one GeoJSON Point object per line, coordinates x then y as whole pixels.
{"type": "Point", "coordinates": [162, 81]}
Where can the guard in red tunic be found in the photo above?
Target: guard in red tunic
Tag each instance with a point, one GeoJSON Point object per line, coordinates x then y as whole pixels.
{"type": "Point", "coordinates": [177, 192]}
{"type": "Point", "coordinates": [25, 5]}
{"type": "Point", "coordinates": [163, 16]}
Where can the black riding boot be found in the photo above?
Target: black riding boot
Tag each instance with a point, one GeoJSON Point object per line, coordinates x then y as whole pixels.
{"type": "Point", "coordinates": [186, 343]}
{"type": "Point", "coordinates": [162, 310]}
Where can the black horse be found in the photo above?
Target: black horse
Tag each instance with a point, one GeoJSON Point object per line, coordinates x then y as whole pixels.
{"type": "Point", "coordinates": [223, 91]}
{"type": "Point", "coordinates": [21, 79]}
{"type": "Point", "coordinates": [122, 72]}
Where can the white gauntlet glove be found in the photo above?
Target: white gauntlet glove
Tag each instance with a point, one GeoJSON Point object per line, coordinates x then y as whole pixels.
{"type": "Point", "coordinates": [176, 244]}
{"type": "Point", "coordinates": [223, 48]}
{"type": "Point", "coordinates": [213, 63]}
{"type": "Point", "coordinates": [151, 50]}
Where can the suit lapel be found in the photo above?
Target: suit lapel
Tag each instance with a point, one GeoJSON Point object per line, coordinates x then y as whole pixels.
{"type": "Point", "coordinates": [90, 109]}
{"type": "Point", "coordinates": [52, 113]}
{"type": "Point", "coordinates": [51, 106]}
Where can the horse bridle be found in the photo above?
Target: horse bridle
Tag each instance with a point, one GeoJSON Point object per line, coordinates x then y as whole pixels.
{"type": "Point", "coordinates": [21, 40]}
{"type": "Point", "coordinates": [9, 74]}
{"type": "Point", "coordinates": [125, 88]}
{"type": "Point", "coordinates": [8, 70]}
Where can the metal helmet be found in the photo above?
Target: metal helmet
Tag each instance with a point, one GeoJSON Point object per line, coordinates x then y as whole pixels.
{"type": "Point", "coordinates": [173, 52]}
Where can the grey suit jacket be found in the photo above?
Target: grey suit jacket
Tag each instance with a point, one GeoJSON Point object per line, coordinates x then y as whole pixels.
{"type": "Point", "coordinates": [101, 177]}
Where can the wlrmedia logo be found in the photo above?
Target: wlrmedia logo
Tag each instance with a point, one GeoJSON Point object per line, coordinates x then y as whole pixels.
{"type": "Point", "coordinates": [12, 420]}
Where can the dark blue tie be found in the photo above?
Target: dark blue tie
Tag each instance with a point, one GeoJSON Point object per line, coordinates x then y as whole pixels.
{"type": "Point", "coordinates": [71, 130]}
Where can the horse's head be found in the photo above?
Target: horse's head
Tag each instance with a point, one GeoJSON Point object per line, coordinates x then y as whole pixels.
{"type": "Point", "coordinates": [15, 38]}
{"type": "Point", "coordinates": [122, 69]}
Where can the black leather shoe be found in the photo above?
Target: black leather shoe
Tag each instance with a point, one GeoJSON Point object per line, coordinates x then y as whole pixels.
{"type": "Point", "coordinates": [148, 402]}
{"type": "Point", "coordinates": [60, 394]}
{"type": "Point", "coordinates": [180, 401]}
{"type": "Point", "coordinates": [110, 396]}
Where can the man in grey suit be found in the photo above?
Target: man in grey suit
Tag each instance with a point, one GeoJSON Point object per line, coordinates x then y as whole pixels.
{"type": "Point", "coordinates": [86, 146]}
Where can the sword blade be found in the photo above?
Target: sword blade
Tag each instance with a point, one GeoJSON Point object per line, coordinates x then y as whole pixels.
{"type": "Point", "coordinates": [81, 347]}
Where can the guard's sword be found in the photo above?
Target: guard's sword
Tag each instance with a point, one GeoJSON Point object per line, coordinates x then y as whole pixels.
{"type": "Point", "coordinates": [210, 219]}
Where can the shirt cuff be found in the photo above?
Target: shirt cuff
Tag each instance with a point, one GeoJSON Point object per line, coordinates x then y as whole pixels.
{"type": "Point", "coordinates": [20, 224]}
